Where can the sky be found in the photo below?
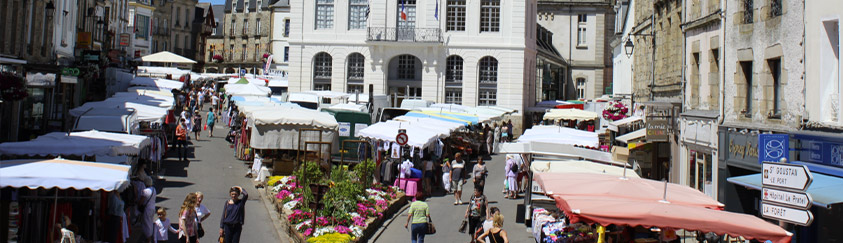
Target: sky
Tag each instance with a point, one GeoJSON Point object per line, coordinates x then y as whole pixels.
{"type": "Point", "coordinates": [215, 2]}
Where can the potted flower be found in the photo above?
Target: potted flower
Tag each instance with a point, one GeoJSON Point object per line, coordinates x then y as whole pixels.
{"type": "Point", "coordinates": [265, 56]}
{"type": "Point", "coordinates": [217, 58]}
{"type": "Point", "coordinates": [615, 110]}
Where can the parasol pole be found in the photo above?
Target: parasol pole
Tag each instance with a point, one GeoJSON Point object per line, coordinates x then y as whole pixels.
{"type": "Point", "coordinates": [55, 212]}
{"type": "Point", "coordinates": [664, 197]}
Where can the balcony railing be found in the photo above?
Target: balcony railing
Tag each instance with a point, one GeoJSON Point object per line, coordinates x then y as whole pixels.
{"type": "Point", "coordinates": [429, 35]}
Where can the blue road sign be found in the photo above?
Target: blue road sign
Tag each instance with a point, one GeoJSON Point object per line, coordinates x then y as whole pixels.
{"type": "Point", "coordinates": [773, 147]}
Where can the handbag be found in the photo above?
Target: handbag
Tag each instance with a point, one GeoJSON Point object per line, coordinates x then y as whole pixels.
{"type": "Point", "coordinates": [430, 228]}
{"type": "Point", "coordinates": [200, 231]}
{"type": "Point", "coordinates": [463, 226]}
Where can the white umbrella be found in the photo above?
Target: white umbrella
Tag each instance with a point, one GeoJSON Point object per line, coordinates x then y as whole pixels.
{"type": "Point", "coordinates": [166, 57]}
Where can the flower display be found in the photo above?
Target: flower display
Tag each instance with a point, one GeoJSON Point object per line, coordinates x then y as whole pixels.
{"type": "Point", "coordinates": [615, 110]}
{"type": "Point", "coordinates": [12, 87]}
{"type": "Point", "coordinates": [366, 204]}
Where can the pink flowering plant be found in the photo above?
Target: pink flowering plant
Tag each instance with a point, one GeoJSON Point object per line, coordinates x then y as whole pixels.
{"type": "Point", "coordinates": [615, 110]}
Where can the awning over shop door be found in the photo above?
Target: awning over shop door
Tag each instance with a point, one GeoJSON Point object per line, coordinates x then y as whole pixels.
{"type": "Point", "coordinates": [626, 138]}
{"type": "Point", "coordinates": [825, 190]}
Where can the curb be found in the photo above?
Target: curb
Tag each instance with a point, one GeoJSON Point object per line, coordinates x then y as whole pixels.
{"type": "Point", "coordinates": [275, 216]}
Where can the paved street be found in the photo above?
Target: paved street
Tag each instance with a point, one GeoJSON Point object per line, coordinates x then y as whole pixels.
{"type": "Point", "coordinates": [213, 170]}
{"type": "Point", "coordinates": [447, 217]}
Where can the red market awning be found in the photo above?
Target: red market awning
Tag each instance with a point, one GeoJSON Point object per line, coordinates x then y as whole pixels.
{"type": "Point", "coordinates": [667, 215]}
{"type": "Point", "coordinates": [612, 186]}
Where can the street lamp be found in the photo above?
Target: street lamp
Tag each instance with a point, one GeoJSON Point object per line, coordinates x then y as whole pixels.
{"type": "Point", "coordinates": [628, 47]}
{"type": "Point", "coordinates": [50, 9]}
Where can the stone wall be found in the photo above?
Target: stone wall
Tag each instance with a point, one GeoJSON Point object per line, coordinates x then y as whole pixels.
{"type": "Point", "coordinates": [669, 41]}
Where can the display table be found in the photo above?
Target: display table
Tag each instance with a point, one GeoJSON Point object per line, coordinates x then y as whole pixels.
{"type": "Point", "coordinates": [409, 185]}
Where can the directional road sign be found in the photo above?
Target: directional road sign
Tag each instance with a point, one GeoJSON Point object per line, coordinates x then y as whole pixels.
{"type": "Point", "coordinates": [795, 216]}
{"type": "Point", "coordinates": [789, 176]}
{"type": "Point", "coordinates": [796, 200]}
{"type": "Point", "coordinates": [401, 139]}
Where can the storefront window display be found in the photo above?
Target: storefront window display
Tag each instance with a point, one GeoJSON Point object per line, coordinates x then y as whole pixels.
{"type": "Point", "coordinates": [700, 172]}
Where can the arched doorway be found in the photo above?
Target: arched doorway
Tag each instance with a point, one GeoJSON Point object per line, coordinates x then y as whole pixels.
{"type": "Point", "coordinates": [404, 80]}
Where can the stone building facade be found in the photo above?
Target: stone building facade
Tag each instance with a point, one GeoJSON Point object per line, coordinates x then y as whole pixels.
{"type": "Point", "coordinates": [182, 35]}
{"type": "Point", "coordinates": [215, 41]}
{"type": "Point", "coordinates": [246, 37]}
{"type": "Point", "coordinates": [667, 84]}
{"type": "Point", "coordinates": [451, 56]}
{"type": "Point", "coordinates": [582, 30]}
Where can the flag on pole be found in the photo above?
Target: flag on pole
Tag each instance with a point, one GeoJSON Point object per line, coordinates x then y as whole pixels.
{"type": "Point", "coordinates": [368, 8]}
{"type": "Point", "coordinates": [436, 14]}
{"type": "Point", "coordinates": [403, 14]}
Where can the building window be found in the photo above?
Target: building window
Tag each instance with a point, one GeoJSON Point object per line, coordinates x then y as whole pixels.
{"type": "Point", "coordinates": [747, 11]}
{"type": "Point", "coordinates": [695, 80]}
{"type": "Point", "coordinates": [246, 6]}
{"type": "Point", "coordinates": [233, 27]}
{"type": "Point", "coordinates": [322, 71]}
{"type": "Point", "coordinates": [453, 71]}
{"type": "Point", "coordinates": [700, 172]}
{"type": "Point", "coordinates": [324, 14]}
{"type": "Point", "coordinates": [713, 80]}
{"type": "Point", "coordinates": [580, 88]}
{"type": "Point", "coordinates": [746, 68]}
{"type": "Point", "coordinates": [487, 97]}
{"type": "Point", "coordinates": [829, 71]}
{"type": "Point", "coordinates": [258, 27]}
{"type": "Point", "coordinates": [453, 96]}
{"type": "Point", "coordinates": [176, 18]}
{"type": "Point", "coordinates": [407, 26]}
{"type": "Point", "coordinates": [230, 50]}
{"type": "Point", "coordinates": [286, 54]}
{"type": "Point", "coordinates": [490, 15]}
{"type": "Point", "coordinates": [286, 27]}
{"type": "Point", "coordinates": [357, 14]}
{"type": "Point", "coordinates": [260, 3]}
{"type": "Point", "coordinates": [582, 36]}
{"type": "Point", "coordinates": [244, 52]}
{"type": "Point", "coordinates": [142, 27]}
{"type": "Point", "coordinates": [245, 25]}
{"type": "Point", "coordinates": [775, 66]}
{"type": "Point", "coordinates": [406, 67]}
{"type": "Point", "coordinates": [456, 16]}
{"type": "Point", "coordinates": [356, 70]}
{"type": "Point", "coordinates": [776, 7]}
{"type": "Point", "coordinates": [258, 56]}
{"type": "Point", "coordinates": [488, 70]}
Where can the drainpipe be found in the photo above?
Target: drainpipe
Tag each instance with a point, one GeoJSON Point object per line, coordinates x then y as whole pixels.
{"type": "Point", "coordinates": [653, 58]}
{"type": "Point", "coordinates": [721, 51]}
{"type": "Point", "coordinates": [804, 79]}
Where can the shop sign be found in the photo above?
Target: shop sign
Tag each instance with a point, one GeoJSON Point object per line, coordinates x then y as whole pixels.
{"type": "Point", "coordinates": [124, 39]}
{"type": "Point", "coordinates": [773, 147]}
{"type": "Point", "coordinates": [743, 150]}
{"type": "Point", "coordinates": [799, 200]}
{"type": "Point", "coordinates": [787, 176]}
{"type": "Point", "coordinates": [83, 39]}
{"type": "Point", "coordinates": [819, 150]}
{"type": "Point", "coordinates": [70, 72]}
{"type": "Point", "coordinates": [657, 130]}
{"type": "Point", "coordinates": [795, 216]}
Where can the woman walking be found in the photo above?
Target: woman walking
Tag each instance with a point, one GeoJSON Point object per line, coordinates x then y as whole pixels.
{"type": "Point", "coordinates": [212, 119]}
{"type": "Point", "coordinates": [511, 173]}
{"type": "Point", "coordinates": [457, 177]}
{"type": "Point", "coordinates": [233, 215]}
{"type": "Point", "coordinates": [187, 219]}
{"type": "Point", "coordinates": [446, 175]}
{"type": "Point", "coordinates": [419, 216]}
{"type": "Point", "coordinates": [497, 138]}
{"type": "Point", "coordinates": [475, 212]}
{"type": "Point", "coordinates": [427, 165]}
{"type": "Point", "coordinates": [197, 124]}
{"type": "Point", "coordinates": [202, 212]}
{"type": "Point", "coordinates": [504, 133]}
{"type": "Point", "coordinates": [496, 234]}
{"type": "Point", "coordinates": [478, 174]}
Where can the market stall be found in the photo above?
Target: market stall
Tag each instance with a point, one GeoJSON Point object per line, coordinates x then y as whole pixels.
{"type": "Point", "coordinates": [247, 90]}
{"type": "Point", "coordinates": [559, 135]}
{"type": "Point", "coordinates": [667, 217]}
{"type": "Point", "coordinates": [572, 118]}
{"type": "Point", "coordinates": [44, 196]}
{"type": "Point", "coordinates": [159, 83]}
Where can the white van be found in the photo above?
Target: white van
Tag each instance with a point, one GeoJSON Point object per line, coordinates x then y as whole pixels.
{"type": "Point", "coordinates": [119, 120]}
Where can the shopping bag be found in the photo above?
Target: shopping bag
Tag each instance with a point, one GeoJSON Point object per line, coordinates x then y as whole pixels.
{"type": "Point", "coordinates": [206, 127]}
{"type": "Point", "coordinates": [430, 228]}
{"type": "Point", "coordinates": [463, 226]}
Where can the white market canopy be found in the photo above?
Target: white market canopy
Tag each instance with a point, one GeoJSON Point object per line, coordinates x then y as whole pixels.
{"type": "Point", "coordinates": [90, 143]}
{"type": "Point", "coordinates": [626, 138]}
{"type": "Point", "coordinates": [580, 166]}
{"type": "Point", "coordinates": [145, 112]}
{"type": "Point", "coordinates": [247, 90]}
{"type": "Point", "coordinates": [166, 57]}
{"type": "Point", "coordinates": [420, 133]}
{"type": "Point", "coordinates": [160, 83]}
{"type": "Point", "coordinates": [559, 135]}
{"type": "Point", "coordinates": [163, 70]}
{"type": "Point", "coordinates": [570, 114]}
{"type": "Point", "coordinates": [348, 107]}
{"type": "Point", "coordinates": [278, 127]}
{"type": "Point", "coordinates": [613, 126]}
{"type": "Point", "coordinates": [560, 151]}
{"type": "Point", "coordinates": [63, 174]}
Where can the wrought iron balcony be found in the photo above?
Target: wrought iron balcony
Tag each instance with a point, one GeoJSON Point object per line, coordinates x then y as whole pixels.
{"type": "Point", "coordinates": [393, 34]}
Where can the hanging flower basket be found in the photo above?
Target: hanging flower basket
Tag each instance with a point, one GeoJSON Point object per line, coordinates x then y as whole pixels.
{"type": "Point", "coordinates": [615, 110]}
{"type": "Point", "coordinates": [12, 86]}
{"type": "Point", "coordinates": [217, 58]}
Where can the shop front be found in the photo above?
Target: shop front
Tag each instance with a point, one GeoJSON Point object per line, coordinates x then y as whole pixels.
{"type": "Point", "coordinates": [740, 177]}
{"type": "Point", "coordinates": [698, 151]}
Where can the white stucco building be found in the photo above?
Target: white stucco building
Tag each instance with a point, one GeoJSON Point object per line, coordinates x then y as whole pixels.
{"type": "Point", "coordinates": [621, 62]}
{"type": "Point", "coordinates": [64, 32]}
{"type": "Point", "coordinates": [469, 52]}
{"type": "Point", "coordinates": [823, 81]}
{"type": "Point", "coordinates": [279, 41]}
{"type": "Point", "coordinates": [140, 20]}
